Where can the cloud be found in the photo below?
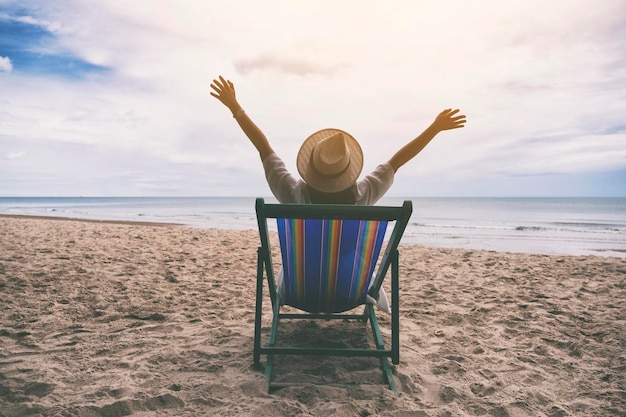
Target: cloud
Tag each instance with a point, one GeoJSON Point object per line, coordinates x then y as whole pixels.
{"type": "Point", "coordinates": [14, 155]}
{"type": "Point", "coordinates": [30, 20]}
{"type": "Point", "coordinates": [5, 64]}
{"type": "Point", "coordinates": [282, 65]}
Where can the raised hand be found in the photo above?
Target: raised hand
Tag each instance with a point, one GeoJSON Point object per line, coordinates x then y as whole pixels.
{"type": "Point", "coordinates": [446, 120]}
{"type": "Point", "coordinates": [225, 92]}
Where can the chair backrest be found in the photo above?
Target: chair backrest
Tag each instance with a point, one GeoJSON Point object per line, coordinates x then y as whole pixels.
{"type": "Point", "coordinates": [329, 252]}
{"type": "Point", "coordinates": [328, 264]}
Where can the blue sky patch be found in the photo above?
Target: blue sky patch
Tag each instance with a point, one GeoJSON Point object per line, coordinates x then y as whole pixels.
{"type": "Point", "coordinates": [33, 49]}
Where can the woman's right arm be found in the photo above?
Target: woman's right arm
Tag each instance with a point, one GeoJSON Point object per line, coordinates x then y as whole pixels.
{"type": "Point", "coordinates": [225, 92]}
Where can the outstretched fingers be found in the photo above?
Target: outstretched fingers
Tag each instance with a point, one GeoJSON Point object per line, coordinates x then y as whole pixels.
{"type": "Point", "coordinates": [222, 84]}
{"type": "Point", "coordinates": [450, 119]}
{"type": "Point", "coordinates": [458, 121]}
{"type": "Point", "coordinates": [224, 91]}
{"type": "Point", "coordinates": [215, 85]}
{"type": "Point", "coordinates": [222, 88]}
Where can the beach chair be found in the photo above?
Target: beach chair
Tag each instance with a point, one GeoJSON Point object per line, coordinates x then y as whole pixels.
{"type": "Point", "coordinates": [329, 254]}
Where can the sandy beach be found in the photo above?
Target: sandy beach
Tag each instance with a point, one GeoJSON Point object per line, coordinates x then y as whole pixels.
{"type": "Point", "coordinates": [110, 319]}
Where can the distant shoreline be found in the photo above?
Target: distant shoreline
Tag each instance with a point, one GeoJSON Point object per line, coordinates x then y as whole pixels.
{"type": "Point", "coordinates": [554, 226]}
{"type": "Point", "coordinates": [77, 219]}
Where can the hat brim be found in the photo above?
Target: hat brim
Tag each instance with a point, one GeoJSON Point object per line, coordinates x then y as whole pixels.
{"type": "Point", "coordinates": [329, 184]}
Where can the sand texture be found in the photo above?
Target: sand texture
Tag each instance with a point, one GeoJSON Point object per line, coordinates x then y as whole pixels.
{"type": "Point", "coordinates": [103, 319]}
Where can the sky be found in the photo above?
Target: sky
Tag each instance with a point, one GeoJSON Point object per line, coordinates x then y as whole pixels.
{"type": "Point", "coordinates": [112, 98]}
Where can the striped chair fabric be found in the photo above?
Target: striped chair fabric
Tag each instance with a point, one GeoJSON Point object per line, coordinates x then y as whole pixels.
{"type": "Point", "coordinates": [331, 273]}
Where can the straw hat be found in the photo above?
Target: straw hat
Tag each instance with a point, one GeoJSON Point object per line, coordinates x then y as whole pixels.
{"type": "Point", "coordinates": [330, 160]}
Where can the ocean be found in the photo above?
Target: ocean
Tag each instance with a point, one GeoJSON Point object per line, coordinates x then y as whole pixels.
{"type": "Point", "coordinates": [567, 226]}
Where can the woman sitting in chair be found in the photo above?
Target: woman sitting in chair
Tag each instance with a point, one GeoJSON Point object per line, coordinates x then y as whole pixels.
{"type": "Point", "coordinates": [330, 160]}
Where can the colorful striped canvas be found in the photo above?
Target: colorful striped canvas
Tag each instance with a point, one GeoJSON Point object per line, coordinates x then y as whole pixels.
{"type": "Point", "coordinates": [328, 264]}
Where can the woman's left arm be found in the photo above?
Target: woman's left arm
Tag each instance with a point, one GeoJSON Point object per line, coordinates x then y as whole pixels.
{"type": "Point", "coordinates": [446, 120]}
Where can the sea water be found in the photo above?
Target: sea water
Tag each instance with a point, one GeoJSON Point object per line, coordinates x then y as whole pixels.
{"type": "Point", "coordinates": [574, 226]}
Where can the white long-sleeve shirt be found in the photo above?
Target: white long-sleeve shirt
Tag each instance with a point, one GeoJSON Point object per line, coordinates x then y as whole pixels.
{"type": "Point", "coordinates": [289, 189]}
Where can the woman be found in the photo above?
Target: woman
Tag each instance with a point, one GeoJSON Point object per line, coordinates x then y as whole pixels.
{"type": "Point", "coordinates": [330, 160]}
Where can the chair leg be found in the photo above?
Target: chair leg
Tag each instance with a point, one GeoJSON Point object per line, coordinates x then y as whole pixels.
{"type": "Point", "coordinates": [378, 340]}
{"type": "Point", "coordinates": [395, 309]}
{"type": "Point", "coordinates": [269, 365]}
{"type": "Point", "coordinates": [259, 309]}
{"type": "Point", "coordinates": [384, 363]}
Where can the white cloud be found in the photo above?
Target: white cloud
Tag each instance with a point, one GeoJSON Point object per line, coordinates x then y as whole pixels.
{"type": "Point", "coordinates": [281, 65]}
{"type": "Point", "coordinates": [5, 64]}
{"type": "Point", "coordinates": [14, 155]}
